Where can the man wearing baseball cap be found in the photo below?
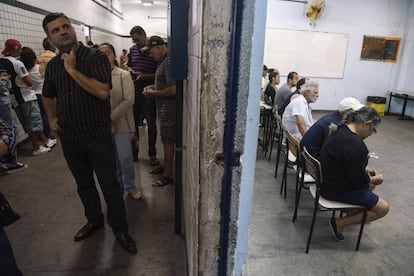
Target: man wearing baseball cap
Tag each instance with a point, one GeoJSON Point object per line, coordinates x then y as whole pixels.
{"type": "Point", "coordinates": [320, 130]}
{"type": "Point", "coordinates": [164, 93]}
{"type": "Point", "coordinates": [28, 109]}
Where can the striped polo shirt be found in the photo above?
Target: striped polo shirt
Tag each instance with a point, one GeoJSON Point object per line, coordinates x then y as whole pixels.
{"type": "Point", "coordinates": [140, 61]}
{"type": "Point", "coordinates": [165, 105]}
{"type": "Point", "coordinates": [80, 115]}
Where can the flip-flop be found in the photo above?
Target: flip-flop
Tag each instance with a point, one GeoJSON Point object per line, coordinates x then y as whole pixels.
{"type": "Point", "coordinates": [163, 181]}
{"type": "Point", "coordinates": [157, 170]}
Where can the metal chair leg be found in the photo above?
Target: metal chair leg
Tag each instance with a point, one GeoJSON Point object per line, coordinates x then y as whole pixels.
{"type": "Point", "coordinates": [311, 228]}
{"type": "Point", "coordinates": [301, 183]}
{"type": "Point", "coordinates": [364, 217]}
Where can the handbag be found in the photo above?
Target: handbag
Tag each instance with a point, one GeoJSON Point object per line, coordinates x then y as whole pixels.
{"type": "Point", "coordinates": [7, 214]}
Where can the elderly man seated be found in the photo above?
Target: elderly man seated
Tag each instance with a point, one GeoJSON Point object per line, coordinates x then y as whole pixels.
{"type": "Point", "coordinates": [317, 134]}
{"type": "Point", "coordinates": [297, 116]}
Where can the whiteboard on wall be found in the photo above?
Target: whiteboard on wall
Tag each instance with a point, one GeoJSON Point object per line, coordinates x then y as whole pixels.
{"type": "Point", "coordinates": [310, 53]}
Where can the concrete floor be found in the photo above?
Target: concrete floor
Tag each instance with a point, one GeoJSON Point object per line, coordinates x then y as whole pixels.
{"type": "Point", "coordinates": [51, 213]}
{"type": "Point", "coordinates": [45, 196]}
{"type": "Point", "coordinates": [277, 246]}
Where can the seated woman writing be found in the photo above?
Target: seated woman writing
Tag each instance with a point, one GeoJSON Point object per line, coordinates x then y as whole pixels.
{"type": "Point", "coordinates": [346, 177]}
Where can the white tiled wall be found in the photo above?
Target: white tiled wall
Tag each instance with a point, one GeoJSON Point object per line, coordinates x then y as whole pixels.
{"type": "Point", "coordinates": [26, 26]}
{"type": "Point", "coordinates": [191, 136]}
{"type": "Point", "coordinates": [119, 43]}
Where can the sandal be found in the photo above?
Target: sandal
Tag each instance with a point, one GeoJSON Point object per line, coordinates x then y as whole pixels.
{"type": "Point", "coordinates": [163, 181]}
{"type": "Point", "coordinates": [157, 170]}
{"type": "Point", "coordinates": [154, 161]}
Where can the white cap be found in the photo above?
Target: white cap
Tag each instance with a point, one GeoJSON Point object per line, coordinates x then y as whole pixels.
{"type": "Point", "coordinates": [349, 103]}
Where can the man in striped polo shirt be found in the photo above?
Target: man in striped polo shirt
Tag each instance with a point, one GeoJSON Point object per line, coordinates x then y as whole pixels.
{"type": "Point", "coordinates": [76, 99]}
{"type": "Point", "coordinates": [143, 69]}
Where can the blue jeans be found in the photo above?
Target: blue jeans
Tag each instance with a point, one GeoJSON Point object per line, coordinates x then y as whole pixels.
{"type": "Point", "coordinates": [149, 108]}
{"type": "Point", "coordinates": [125, 162]}
{"type": "Point", "coordinates": [84, 157]}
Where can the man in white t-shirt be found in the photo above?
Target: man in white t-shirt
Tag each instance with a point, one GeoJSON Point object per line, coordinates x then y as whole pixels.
{"type": "Point", "coordinates": [28, 109]}
{"type": "Point", "coordinates": [297, 116]}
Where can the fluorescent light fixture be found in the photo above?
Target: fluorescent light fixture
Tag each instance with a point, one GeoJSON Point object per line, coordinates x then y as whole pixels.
{"type": "Point", "coordinates": [147, 3]}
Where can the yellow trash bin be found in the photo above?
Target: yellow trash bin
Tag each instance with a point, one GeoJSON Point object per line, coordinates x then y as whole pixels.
{"type": "Point", "coordinates": [377, 103]}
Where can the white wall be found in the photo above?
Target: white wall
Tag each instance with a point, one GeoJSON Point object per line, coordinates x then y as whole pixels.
{"type": "Point", "coordinates": [357, 18]}
{"type": "Point", "coordinates": [94, 15]}
{"type": "Point", "coordinates": [153, 20]}
{"type": "Point", "coordinates": [87, 12]}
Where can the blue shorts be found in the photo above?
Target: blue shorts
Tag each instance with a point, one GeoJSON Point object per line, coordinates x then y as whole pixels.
{"type": "Point", "coordinates": [30, 117]}
{"type": "Point", "coordinates": [361, 197]}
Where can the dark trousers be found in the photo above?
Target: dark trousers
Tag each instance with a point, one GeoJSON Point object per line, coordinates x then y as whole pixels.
{"type": "Point", "coordinates": [148, 107]}
{"type": "Point", "coordinates": [84, 157]}
{"type": "Point", "coordinates": [8, 265]}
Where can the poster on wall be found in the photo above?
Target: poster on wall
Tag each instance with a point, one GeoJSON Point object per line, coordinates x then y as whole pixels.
{"type": "Point", "coordinates": [380, 48]}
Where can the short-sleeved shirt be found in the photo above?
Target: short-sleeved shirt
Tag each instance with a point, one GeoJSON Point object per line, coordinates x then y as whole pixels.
{"type": "Point", "coordinates": [165, 105]}
{"type": "Point", "coordinates": [80, 115]}
{"type": "Point", "coordinates": [21, 91]}
{"type": "Point", "coordinates": [140, 61]}
{"type": "Point", "coordinates": [283, 93]}
{"type": "Point", "coordinates": [344, 157]}
{"type": "Point", "coordinates": [297, 107]}
{"type": "Point", "coordinates": [270, 92]}
{"type": "Point", "coordinates": [37, 79]}
{"type": "Point", "coordinates": [318, 132]}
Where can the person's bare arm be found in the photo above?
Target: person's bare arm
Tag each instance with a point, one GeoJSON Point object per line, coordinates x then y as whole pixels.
{"type": "Point", "coordinates": [50, 108]}
{"type": "Point", "coordinates": [300, 121]}
{"type": "Point", "coordinates": [91, 85]}
{"type": "Point", "coordinates": [27, 80]}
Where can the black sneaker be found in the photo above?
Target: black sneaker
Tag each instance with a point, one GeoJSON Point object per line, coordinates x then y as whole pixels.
{"type": "Point", "coordinates": [15, 168]}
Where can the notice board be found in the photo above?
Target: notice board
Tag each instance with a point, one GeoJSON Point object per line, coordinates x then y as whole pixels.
{"type": "Point", "coordinates": [310, 53]}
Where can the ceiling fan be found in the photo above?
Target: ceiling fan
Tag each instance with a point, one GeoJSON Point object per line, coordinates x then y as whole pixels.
{"type": "Point", "coordinates": [315, 11]}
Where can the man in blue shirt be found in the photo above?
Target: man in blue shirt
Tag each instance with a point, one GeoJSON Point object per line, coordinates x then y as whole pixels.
{"type": "Point", "coordinates": [320, 130]}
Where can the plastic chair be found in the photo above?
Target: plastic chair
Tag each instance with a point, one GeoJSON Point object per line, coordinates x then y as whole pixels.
{"type": "Point", "coordinates": [313, 167]}
{"type": "Point", "coordinates": [281, 149]}
{"type": "Point", "coordinates": [292, 159]}
{"type": "Point", "coordinates": [275, 133]}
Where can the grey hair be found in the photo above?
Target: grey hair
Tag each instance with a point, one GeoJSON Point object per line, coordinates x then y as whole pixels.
{"type": "Point", "coordinates": [363, 115]}
{"type": "Point", "coordinates": [308, 87]}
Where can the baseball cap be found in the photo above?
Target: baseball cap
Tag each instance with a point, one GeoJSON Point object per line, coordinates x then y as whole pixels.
{"type": "Point", "coordinates": [349, 103]}
{"type": "Point", "coordinates": [154, 41]}
{"type": "Point", "coordinates": [11, 45]}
